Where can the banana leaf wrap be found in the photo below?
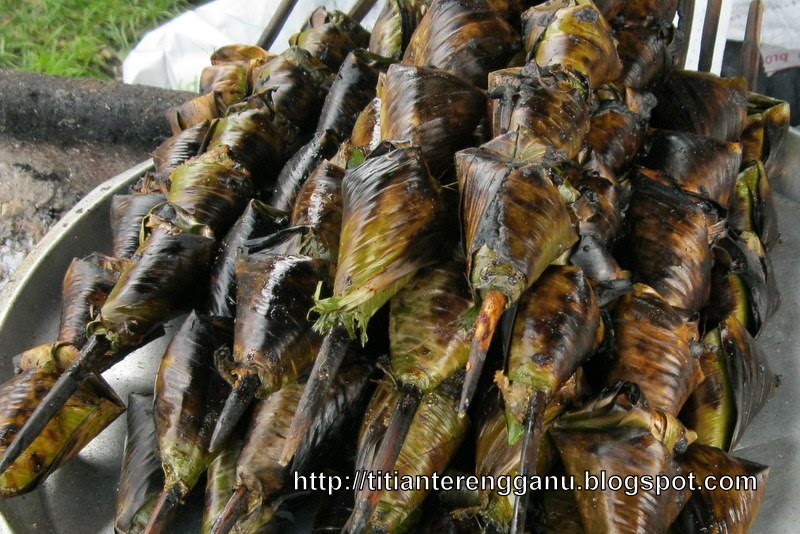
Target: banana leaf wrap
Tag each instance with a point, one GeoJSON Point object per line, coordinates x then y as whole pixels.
{"type": "Point", "coordinates": [765, 132]}
{"type": "Point", "coordinates": [616, 133]}
{"type": "Point", "coordinates": [553, 104]}
{"type": "Point", "coordinates": [648, 54]}
{"type": "Point", "coordinates": [300, 166]}
{"type": "Point", "coordinates": [257, 220]}
{"type": "Point", "coordinates": [620, 450]}
{"type": "Point", "coordinates": [668, 245]}
{"type": "Point", "coordinates": [229, 80]}
{"type": "Point", "coordinates": [396, 23]}
{"type": "Point", "coordinates": [515, 223]}
{"type": "Point", "coordinates": [574, 34]}
{"type": "Point", "coordinates": [733, 511]}
{"type": "Point", "coordinates": [610, 8]}
{"type": "Point", "coordinates": [258, 469]}
{"type": "Point", "coordinates": [189, 395]}
{"type": "Point", "coordinates": [86, 286]}
{"type": "Point", "coordinates": [198, 110]}
{"type": "Point", "coordinates": [330, 36]}
{"type": "Point", "coordinates": [393, 224]}
{"type": "Point", "coordinates": [367, 130]}
{"type": "Point", "coordinates": [701, 103]}
{"type": "Point", "coordinates": [648, 12]}
{"type": "Point", "coordinates": [432, 109]}
{"type": "Point", "coordinates": [695, 164]}
{"type": "Point", "coordinates": [319, 206]}
{"type": "Point", "coordinates": [745, 255]}
{"type": "Point", "coordinates": [557, 326]}
{"type": "Point", "coordinates": [433, 439]}
{"type": "Point", "coordinates": [253, 57]}
{"type": "Point", "coordinates": [297, 83]}
{"type": "Point", "coordinates": [738, 383]}
{"type": "Point", "coordinates": [258, 140]}
{"type": "Point", "coordinates": [753, 208]}
{"type": "Point", "coordinates": [212, 189]}
{"type": "Point", "coordinates": [181, 147]}
{"type": "Point", "coordinates": [601, 205]}
{"type": "Point", "coordinates": [495, 456]}
{"type": "Point", "coordinates": [429, 341]}
{"type": "Point", "coordinates": [652, 349]}
{"type": "Point", "coordinates": [272, 337]}
{"type": "Point", "coordinates": [351, 90]}
{"type": "Point", "coordinates": [128, 213]}
{"type": "Point", "coordinates": [559, 513]}
{"type": "Point", "coordinates": [463, 37]}
{"type": "Point", "coordinates": [141, 478]}
{"type": "Point", "coordinates": [164, 281]}
{"type": "Point", "coordinates": [90, 410]}
{"type": "Point", "coordinates": [220, 483]}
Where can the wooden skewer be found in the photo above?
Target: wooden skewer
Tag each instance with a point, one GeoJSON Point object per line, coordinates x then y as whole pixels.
{"type": "Point", "coordinates": [751, 47]}
{"type": "Point", "coordinates": [710, 27]}
{"type": "Point", "coordinates": [360, 9]}
{"type": "Point", "coordinates": [275, 25]}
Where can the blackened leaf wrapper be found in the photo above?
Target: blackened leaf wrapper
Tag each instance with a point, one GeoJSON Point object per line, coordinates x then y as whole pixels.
{"type": "Point", "coordinates": [127, 215]}
{"type": "Point", "coordinates": [764, 136]}
{"type": "Point", "coordinates": [180, 147]}
{"type": "Point", "coordinates": [648, 54]}
{"type": "Point", "coordinates": [319, 207]}
{"type": "Point", "coordinates": [395, 25]}
{"type": "Point", "coordinates": [300, 166]}
{"type": "Point", "coordinates": [329, 36]}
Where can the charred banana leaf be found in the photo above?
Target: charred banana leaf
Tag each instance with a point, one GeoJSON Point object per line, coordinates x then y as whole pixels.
{"type": "Point", "coordinates": [211, 189]}
{"type": "Point", "coordinates": [738, 383]}
{"type": "Point", "coordinates": [696, 164]}
{"type": "Point", "coordinates": [367, 131]}
{"type": "Point", "coordinates": [717, 510]}
{"type": "Point", "coordinates": [86, 286]}
{"type": "Point", "coordinates": [200, 109]}
{"type": "Point", "coordinates": [92, 407]}
{"type": "Point", "coordinates": [353, 88]}
{"type": "Point", "coordinates": [574, 34]}
{"type": "Point", "coordinates": [765, 132]}
{"type": "Point", "coordinates": [753, 209]}
{"type": "Point", "coordinates": [189, 395]}
{"type": "Point", "coordinates": [616, 132]}
{"type": "Point", "coordinates": [142, 478]}
{"type": "Point", "coordinates": [648, 54]}
{"type": "Point", "coordinates": [128, 213]}
{"type": "Point", "coordinates": [228, 80]}
{"type": "Point", "coordinates": [652, 349]}
{"type": "Point", "coordinates": [648, 12]}
{"type": "Point", "coordinates": [432, 109]}
{"type": "Point", "coordinates": [260, 478]}
{"type": "Point", "coordinates": [296, 83]}
{"type": "Point", "coordinates": [297, 170]}
{"type": "Point", "coordinates": [273, 341]}
{"type": "Point", "coordinates": [701, 103]}
{"type": "Point", "coordinates": [509, 243]}
{"type": "Point", "coordinates": [395, 25]}
{"type": "Point", "coordinates": [257, 220]}
{"type": "Point", "coordinates": [552, 104]}
{"type": "Point", "coordinates": [156, 288]}
{"type": "Point", "coordinates": [668, 244]}
{"type": "Point", "coordinates": [181, 147]}
{"type": "Point", "coordinates": [463, 37]}
{"type": "Point", "coordinates": [329, 36]}
{"type": "Point", "coordinates": [319, 207]}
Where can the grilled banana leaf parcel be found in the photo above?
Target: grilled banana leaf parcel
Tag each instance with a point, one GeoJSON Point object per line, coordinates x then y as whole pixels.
{"type": "Point", "coordinates": [668, 244]}
{"type": "Point", "coordinates": [738, 383]}
{"type": "Point", "coordinates": [552, 104]}
{"type": "Point", "coordinates": [189, 395]}
{"type": "Point", "coordinates": [435, 110]}
{"type": "Point", "coordinates": [574, 34]}
{"type": "Point", "coordinates": [296, 171]}
{"type": "Point", "coordinates": [648, 53]}
{"type": "Point", "coordinates": [717, 510]}
{"type": "Point", "coordinates": [92, 408]}
{"type": "Point", "coordinates": [702, 103]}
{"type": "Point", "coordinates": [695, 164]}
{"type": "Point", "coordinates": [753, 208]}
{"type": "Point", "coordinates": [463, 37]}
{"type": "Point", "coordinates": [394, 27]}
{"type": "Point", "coordinates": [319, 207]}
{"type": "Point", "coordinates": [765, 132]}
{"type": "Point", "coordinates": [181, 147]}
{"type": "Point", "coordinates": [142, 478]}
{"type": "Point", "coordinates": [652, 349]}
{"type": "Point", "coordinates": [128, 213]}
{"type": "Point", "coordinates": [616, 131]}
{"type": "Point", "coordinates": [87, 283]}
{"type": "Point", "coordinates": [329, 36]}
{"type": "Point", "coordinates": [648, 12]}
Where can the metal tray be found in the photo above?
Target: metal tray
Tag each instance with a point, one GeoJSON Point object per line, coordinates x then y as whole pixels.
{"type": "Point", "coordinates": [80, 497]}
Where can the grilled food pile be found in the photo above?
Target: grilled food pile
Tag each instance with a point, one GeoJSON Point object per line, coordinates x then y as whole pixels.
{"type": "Point", "coordinates": [486, 238]}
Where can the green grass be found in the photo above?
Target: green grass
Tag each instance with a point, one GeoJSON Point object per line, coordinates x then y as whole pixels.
{"type": "Point", "coordinates": [77, 37]}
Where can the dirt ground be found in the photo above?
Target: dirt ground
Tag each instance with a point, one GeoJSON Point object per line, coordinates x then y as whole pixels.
{"type": "Point", "coordinates": [39, 182]}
